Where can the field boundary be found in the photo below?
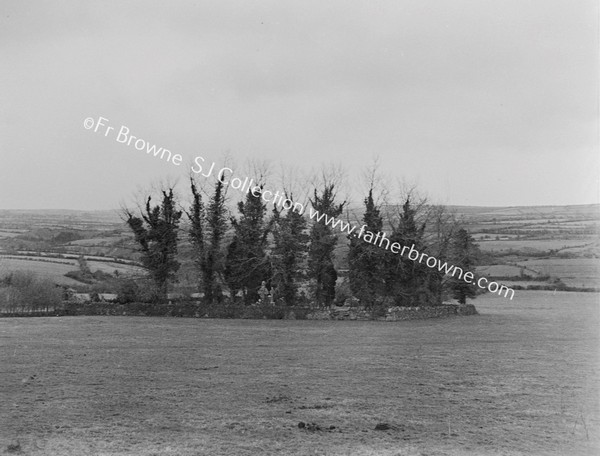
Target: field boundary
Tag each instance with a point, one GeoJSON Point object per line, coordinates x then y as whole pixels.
{"type": "Point", "coordinates": [255, 312]}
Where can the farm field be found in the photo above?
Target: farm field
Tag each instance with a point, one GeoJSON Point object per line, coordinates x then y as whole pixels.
{"type": "Point", "coordinates": [504, 270]}
{"type": "Point", "coordinates": [54, 271]}
{"type": "Point", "coordinates": [97, 241]}
{"type": "Point", "coordinates": [9, 234]}
{"type": "Point", "coordinates": [533, 244]}
{"type": "Point", "coordinates": [110, 267]}
{"type": "Point", "coordinates": [521, 378]}
{"type": "Point", "coordinates": [576, 272]}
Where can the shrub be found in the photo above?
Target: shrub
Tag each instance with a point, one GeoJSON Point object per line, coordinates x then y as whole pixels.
{"type": "Point", "coordinates": [128, 291]}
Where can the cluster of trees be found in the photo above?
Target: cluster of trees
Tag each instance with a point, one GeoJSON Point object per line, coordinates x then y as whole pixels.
{"type": "Point", "coordinates": [380, 276]}
{"type": "Point", "coordinates": [24, 292]}
{"type": "Point", "coordinates": [276, 249]}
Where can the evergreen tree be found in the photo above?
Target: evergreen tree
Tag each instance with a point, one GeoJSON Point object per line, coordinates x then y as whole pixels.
{"type": "Point", "coordinates": [234, 267]}
{"type": "Point", "coordinates": [247, 262]}
{"type": "Point", "coordinates": [407, 280]}
{"type": "Point", "coordinates": [365, 260]}
{"type": "Point", "coordinates": [322, 245]}
{"type": "Point", "coordinates": [207, 229]}
{"type": "Point", "coordinates": [155, 232]}
{"type": "Point", "coordinates": [290, 249]}
{"type": "Point", "coordinates": [464, 255]}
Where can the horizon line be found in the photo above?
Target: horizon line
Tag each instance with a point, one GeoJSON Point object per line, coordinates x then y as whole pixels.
{"type": "Point", "coordinates": [432, 204]}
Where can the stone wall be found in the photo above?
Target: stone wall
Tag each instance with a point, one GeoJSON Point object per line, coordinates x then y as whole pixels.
{"type": "Point", "coordinates": [394, 313]}
{"type": "Point", "coordinates": [265, 311]}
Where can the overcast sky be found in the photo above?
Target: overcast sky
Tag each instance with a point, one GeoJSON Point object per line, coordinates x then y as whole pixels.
{"type": "Point", "coordinates": [477, 102]}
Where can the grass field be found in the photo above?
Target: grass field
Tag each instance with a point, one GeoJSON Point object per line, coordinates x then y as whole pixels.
{"type": "Point", "coordinates": [541, 245]}
{"type": "Point", "coordinates": [521, 378]}
{"type": "Point", "coordinates": [53, 271]}
{"type": "Point", "coordinates": [576, 272]}
{"type": "Point", "coordinates": [110, 267]}
{"type": "Point", "coordinates": [97, 241]}
{"type": "Point", "coordinates": [504, 270]}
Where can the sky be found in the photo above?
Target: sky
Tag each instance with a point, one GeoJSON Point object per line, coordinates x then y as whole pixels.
{"type": "Point", "coordinates": [488, 103]}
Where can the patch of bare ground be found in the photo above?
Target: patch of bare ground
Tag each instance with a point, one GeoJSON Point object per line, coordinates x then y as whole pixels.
{"type": "Point", "coordinates": [521, 378]}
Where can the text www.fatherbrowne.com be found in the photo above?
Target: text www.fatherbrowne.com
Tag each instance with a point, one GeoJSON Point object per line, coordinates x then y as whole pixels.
{"type": "Point", "coordinates": [380, 239]}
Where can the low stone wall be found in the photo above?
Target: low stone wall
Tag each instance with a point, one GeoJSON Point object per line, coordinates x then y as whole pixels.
{"type": "Point", "coordinates": [394, 313]}
{"type": "Point", "coordinates": [417, 313]}
{"type": "Point", "coordinates": [265, 311]}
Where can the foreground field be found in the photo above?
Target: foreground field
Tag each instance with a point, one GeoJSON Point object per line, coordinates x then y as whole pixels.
{"type": "Point", "coordinates": [521, 378]}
